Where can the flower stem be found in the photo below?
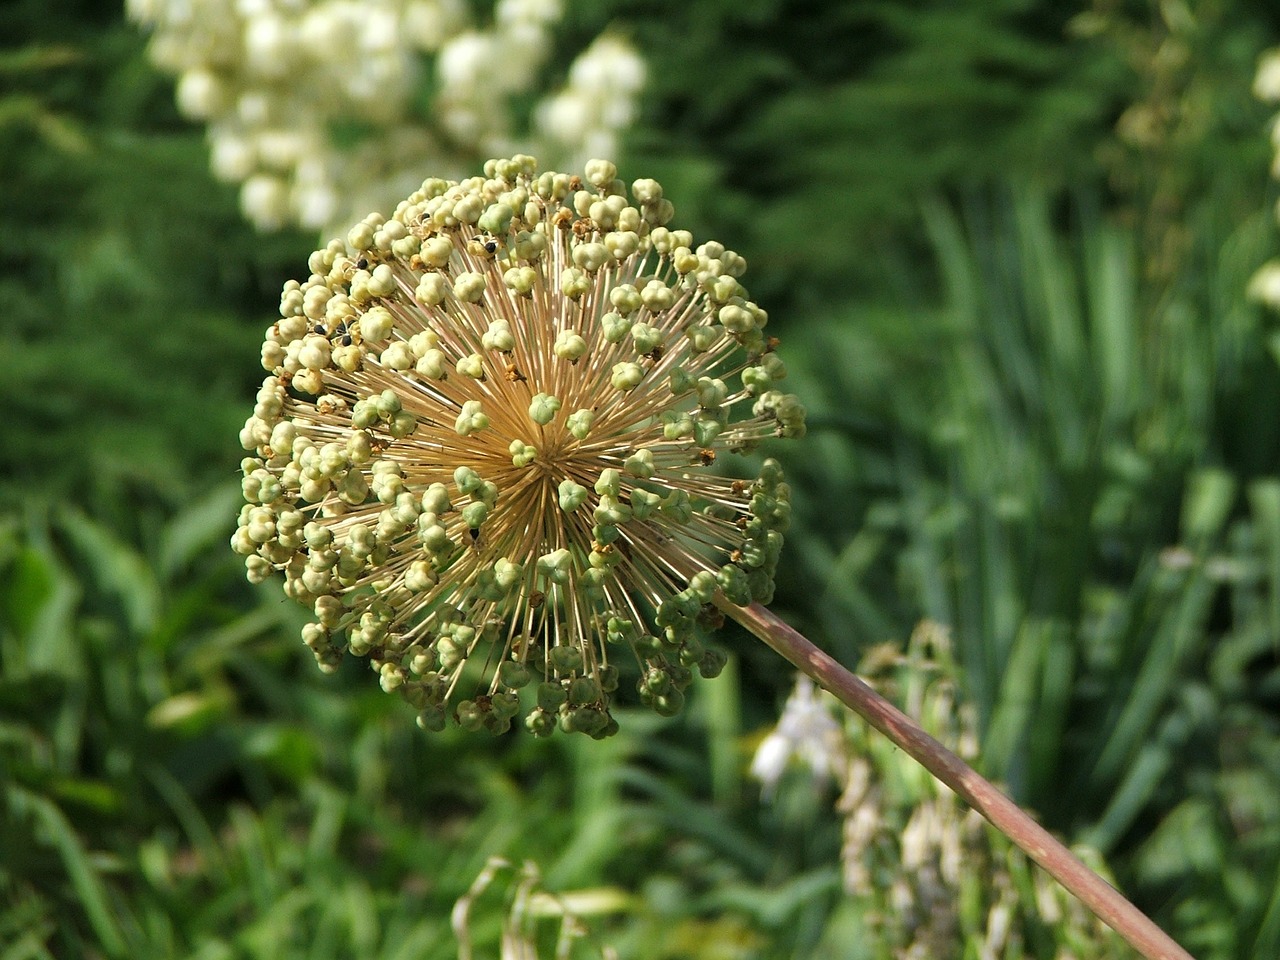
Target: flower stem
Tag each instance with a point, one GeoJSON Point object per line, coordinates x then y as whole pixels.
{"type": "Point", "coordinates": [1007, 817]}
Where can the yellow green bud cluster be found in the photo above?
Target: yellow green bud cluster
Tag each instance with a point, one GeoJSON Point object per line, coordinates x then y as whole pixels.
{"type": "Point", "coordinates": [482, 454]}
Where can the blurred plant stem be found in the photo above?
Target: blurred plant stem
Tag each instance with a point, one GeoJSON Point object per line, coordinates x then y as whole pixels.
{"type": "Point", "coordinates": [1005, 815]}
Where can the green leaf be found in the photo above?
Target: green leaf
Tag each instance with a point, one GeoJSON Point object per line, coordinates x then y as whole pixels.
{"type": "Point", "coordinates": [119, 568]}
{"type": "Point", "coordinates": [90, 892]}
{"type": "Point", "coordinates": [198, 529]}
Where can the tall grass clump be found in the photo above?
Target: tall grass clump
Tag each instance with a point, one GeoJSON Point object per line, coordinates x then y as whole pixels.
{"type": "Point", "coordinates": [1056, 477]}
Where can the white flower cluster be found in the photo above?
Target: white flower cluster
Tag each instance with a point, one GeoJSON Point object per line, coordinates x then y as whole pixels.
{"type": "Point", "coordinates": [315, 106]}
{"type": "Point", "coordinates": [808, 733]}
{"type": "Point", "coordinates": [582, 119]}
{"type": "Point", "coordinates": [1265, 284]}
{"type": "Point", "coordinates": [923, 871]}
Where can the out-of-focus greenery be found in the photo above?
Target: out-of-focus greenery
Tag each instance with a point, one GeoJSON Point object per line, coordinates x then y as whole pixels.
{"type": "Point", "coordinates": [1112, 585]}
{"type": "Point", "coordinates": [132, 288]}
{"type": "Point", "coordinates": [1005, 245]}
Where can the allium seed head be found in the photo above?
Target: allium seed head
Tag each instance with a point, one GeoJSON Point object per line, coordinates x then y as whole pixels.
{"type": "Point", "coordinates": [481, 455]}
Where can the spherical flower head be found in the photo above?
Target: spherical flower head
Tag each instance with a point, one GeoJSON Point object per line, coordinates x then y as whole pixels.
{"type": "Point", "coordinates": [483, 455]}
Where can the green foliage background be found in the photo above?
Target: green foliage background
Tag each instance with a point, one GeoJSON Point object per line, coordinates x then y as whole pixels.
{"type": "Point", "coordinates": [1005, 244]}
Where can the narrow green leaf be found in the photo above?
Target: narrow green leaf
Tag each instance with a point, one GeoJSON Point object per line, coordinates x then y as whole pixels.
{"type": "Point", "coordinates": [90, 892]}
{"type": "Point", "coordinates": [198, 528]}
{"type": "Point", "coordinates": [121, 569]}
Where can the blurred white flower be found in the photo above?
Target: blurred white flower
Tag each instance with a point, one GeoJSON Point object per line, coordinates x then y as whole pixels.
{"type": "Point", "coordinates": [1266, 82]}
{"type": "Point", "coordinates": [231, 158]}
{"type": "Point", "coordinates": [282, 83]}
{"type": "Point", "coordinates": [520, 48]}
{"type": "Point", "coordinates": [201, 95]}
{"type": "Point", "coordinates": [264, 200]}
{"type": "Point", "coordinates": [281, 148]}
{"type": "Point", "coordinates": [465, 60]}
{"type": "Point", "coordinates": [1264, 286]}
{"type": "Point", "coordinates": [380, 30]}
{"type": "Point", "coordinates": [248, 9]}
{"type": "Point", "coordinates": [254, 108]}
{"type": "Point", "coordinates": [617, 113]}
{"type": "Point", "coordinates": [429, 23]}
{"type": "Point", "coordinates": [528, 11]}
{"type": "Point", "coordinates": [316, 202]}
{"type": "Point", "coordinates": [586, 117]}
{"type": "Point", "coordinates": [142, 10]}
{"type": "Point", "coordinates": [566, 117]}
{"type": "Point", "coordinates": [609, 65]}
{"type": "Point", "coordinates": [325, 31]}
{"type": "Point", "coordinates": [269, 46]}
{"type": "Point", "coordinates": [807, 733]}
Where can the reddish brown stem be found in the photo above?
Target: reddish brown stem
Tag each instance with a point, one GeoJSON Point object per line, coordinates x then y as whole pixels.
{"type": "Point", "coordinates": [1007, 817]}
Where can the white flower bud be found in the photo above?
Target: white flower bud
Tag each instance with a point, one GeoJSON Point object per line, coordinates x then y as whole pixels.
{"type": "Point", "coordinates": [201, 94]}
{"type": "Point", "coordinates": [264, 200]}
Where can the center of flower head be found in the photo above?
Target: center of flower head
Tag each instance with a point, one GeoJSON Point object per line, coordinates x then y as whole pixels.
{"type": "Point", "coordinates": [481, 454]}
